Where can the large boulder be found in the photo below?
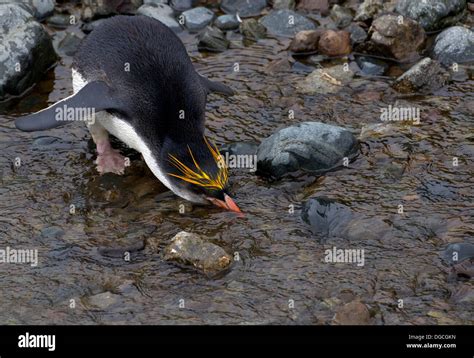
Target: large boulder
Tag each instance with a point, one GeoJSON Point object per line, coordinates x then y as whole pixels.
{"type": "Point", "coordinates": [310, 146]}
{"type": "Point", "coordinates": [26, 50]}
{"type": "Point", "coordinates": [286, 23]}
{"type": "Point", "coordinates": [433, 15]}
{"type": "Point", "coordinates": [454, 45]}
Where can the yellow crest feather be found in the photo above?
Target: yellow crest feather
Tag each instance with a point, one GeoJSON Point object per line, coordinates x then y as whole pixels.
{"type": "Point", "coordinates": [198, 176]}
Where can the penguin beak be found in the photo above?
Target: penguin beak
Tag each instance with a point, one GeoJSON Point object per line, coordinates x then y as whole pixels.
{"type": "Point", "coordinates": [228, 204]}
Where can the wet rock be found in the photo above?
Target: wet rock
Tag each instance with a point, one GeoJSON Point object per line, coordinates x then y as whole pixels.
{"type": "Point", "coordinates": [88, 27]}
{"type": "Point", "coordinates": [244, 8]}
{"type": "Point", "coordinates": [358, 34]}
{"type": "Point", "coordinates": [162, 13]}
{"type": "Point", "coordinates": [213, 39]}
{"type": "Point", "coordinates": [458, 252]}
{"type": "Point", "coordinates": [252, 29]}
{"type": "Point", "coordinates": [341, 16]}
{"type": "Point", "coordinates": [424, 77]}
{"type": "Point", "coordinates": [92, 9]}
{"type": "Point", "coordinates": [49, 143]}
{"type": "Point", "coordinates": [69, 44]}
{"type": "Point", "coordinates": [454, 45]}
{"type": "Point", "coordinates": [190, 250]}
{"type": "Point", "coordinates": [353, 313]}
{"type": "Point", "coordinates": [40, 9]}
{"type": "Point", "coordinates": [306, 41]}
{"type": "Point", "coordinates": [227, 22]}
{"type": "Point", "coordinates": [198, 18]}
{"type": "Point", "coordinates": [321, 6]}
{"type": "Point", "coordinates": [371, 66]}
{"type": "Point", "coordinates": [326, 80]}
{"type": "Point", "coordinates": [335, 43]}
{"type": "Point", "coordinates": [26, 50]}
{"type": "Point", "coordinates": [433, 14]}
{"type": "Point", "coordinates": [182, 5]}
{"type": "Point", "coordinates": [283, 4]}
{"type": "Point", "coordinates": [286, 23]}
{"type": "Point", "coordinates": [239, 148]}
{"type": "Point", "coordinates": [59, 21]}
{"type": "Point", "coordinates": [388, 38]}
{"type": "Point", "coordinates": [311, 146]}
{"type": "Point", "coordinates": [368, 9]}
{"type": "Point", "coordinates": [155, 2]}
{"type": "Point", "coordinates": [103, 300]}
{"type": "Point", "coordinates": [52, 232]}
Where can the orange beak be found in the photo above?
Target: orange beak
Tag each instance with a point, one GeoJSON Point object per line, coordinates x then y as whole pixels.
{"type": "Point", "coordinates": [228, 204]}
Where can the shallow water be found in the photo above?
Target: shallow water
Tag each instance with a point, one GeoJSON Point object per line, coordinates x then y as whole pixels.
{"type": "Point", "coordinates": [280, 258]}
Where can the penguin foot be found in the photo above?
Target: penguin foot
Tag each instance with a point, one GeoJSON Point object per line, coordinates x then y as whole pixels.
{"type": "Point", "coordinates": [111, 161]}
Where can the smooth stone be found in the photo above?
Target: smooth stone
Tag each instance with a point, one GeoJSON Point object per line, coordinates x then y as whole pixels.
{"type": "Point", "coordinates": [103, 300]}
{"type": "Point", "coordinates": [454, 45]}
{"type": "Point", "coordinates": [371, 66]}
{"type": "Point", "coordinates": [278, 23]}
{"type": "Point", "coordinates": [182, 5]}
{"type": "Point", "coordinates": [426, 76]}
{"type": "Point", "coordinates": [368, 9]}
{"type": "Point", "coordinates": [198, 18]}
{"type": "Point", "coordinates": [69, 44]}
{"type": "Point", "coordinates": [306, 41]}
{"type": "Point", "coordinates": [252, 29]}
{"type": "Point", "coordinates": [341, 16]}
{"type": "Point", "coordinates": [93, 9]}
{"type": "Point", "coordinates": [334, 43]}
{"type": "Point", "coordinates": [26, 50]}
{"type": "Point", "coordinates": [463, 251]}
{"type": "Point", "coordinates": [59, 21]}
{"type": "Point", "coordinates": [213, 39]}
{"type": "Point", "coordinates": [161, 13]}
{"type": "Point", "coordinates": [326, 80]}
{"type": "Point", "coordinates": [358, 34]}
{"type": "Point", "coordinates": [41, 9]}
{"type": "Point", "coordinates": [155, 2]}
{"type": "Point", "coordinates": [312, 146]}
{"type": "Point", "coordinates": [190, 250]}
{"type": "Point", "coordinates": [283, 4]}
{"type": "Point", "coordinates": [433, 15]}
{"type": "Point", "coordinates": [227, 22]}
{"type": "Point", "coordinates": [244, 8]}
{"type": "Point", "coordinates": [353, 313]}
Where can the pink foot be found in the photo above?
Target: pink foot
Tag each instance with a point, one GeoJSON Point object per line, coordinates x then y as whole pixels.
{"type": "Point", "coordinates": [111, 161]}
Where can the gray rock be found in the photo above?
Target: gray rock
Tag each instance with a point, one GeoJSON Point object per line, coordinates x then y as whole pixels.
{"type": "Point", "coordinates": [310, 146]}
{"type": "Point", "coordinates": [103, 300]}
{"type": "Point", "coordinates": [286, 23]}
{"type": "Point", "coordinates": [433, 14]}
{"type": "Point", "coordinates": [227, 22]}
{"type": "Point", "coordinates": [252, 29]}
{"type": "Point", "coordinates": [41, 9]}
{"type": "Point", "coordinates": [368, 9]}
{"type": "Point", "coordinates": [358, 34]}
{"type": "Point", "coordinates": [92, 9]}
{"type": "Point", "coordinates": [69, 44]}
{"type": "Point", "coordinates": [371, 66]}
{"type": "Point", "coordinates": [198, 18]}
{"type": "Point", "coordinates": [26, 50]}
{"type": "Point", "coordinates": [284, 4]}
{"type": "Point", "coordinates": [454, 45]}
{"type": "Point", "coordinates": [342, 16]}
{"type": "Point", "coordinates": [213, 39]}
{"type": "Point", "coordinates": [244, 8]}
{"type": "Point", "coordinates": [59, 21]}
{"type": "Point", "coordinates": [460, 251]}
{"type": "Point", "coordinates": [155, 2]}
{"type": "Point", "coordinates": [182, 5]}
{"type": "Point", "coordinates": [326, 80]}
{"type": "Point", "coordinates": [424, 77]}
{"type": "Point", "coordinates": [162, 13]}
{"type": "Point", "coordinates": [190, 250]}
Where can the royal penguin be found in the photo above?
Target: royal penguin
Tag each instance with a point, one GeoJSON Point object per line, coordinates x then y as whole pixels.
{"type": "Point", "coordinates": [133, 78]}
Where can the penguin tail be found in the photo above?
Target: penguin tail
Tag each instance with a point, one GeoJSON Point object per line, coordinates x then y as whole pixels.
{"type": "Point", "coordinates": [216, 87]}
{"type": "Point", "coordinates": [81, 106]}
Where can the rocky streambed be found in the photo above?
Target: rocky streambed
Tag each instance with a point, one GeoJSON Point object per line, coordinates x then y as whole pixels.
{"type": "Point", "coordinates": [349, 142]}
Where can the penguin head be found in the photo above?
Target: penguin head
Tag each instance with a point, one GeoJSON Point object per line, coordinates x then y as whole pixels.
{"type": "Point", "coordinates": [197, 172]}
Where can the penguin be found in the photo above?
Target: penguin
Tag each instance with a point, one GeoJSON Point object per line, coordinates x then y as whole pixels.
{"type": "Point", "coordinates": [133, 78]}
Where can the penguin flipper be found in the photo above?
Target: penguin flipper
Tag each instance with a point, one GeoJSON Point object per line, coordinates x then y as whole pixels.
{"type": "Point", "coordinates": [94, 97]}
{"type": "Point", "coordinates": [216, 87]}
